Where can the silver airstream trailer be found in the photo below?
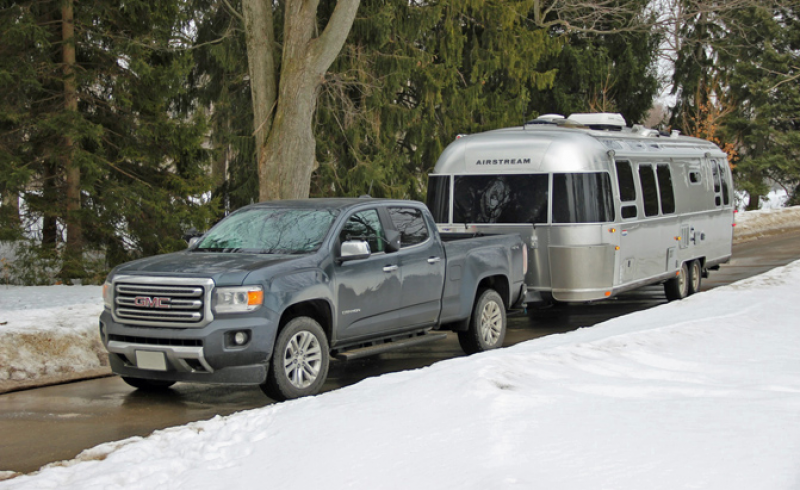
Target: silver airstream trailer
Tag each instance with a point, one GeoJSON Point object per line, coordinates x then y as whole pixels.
{"type": "Point", "coordinates": [604, 208]}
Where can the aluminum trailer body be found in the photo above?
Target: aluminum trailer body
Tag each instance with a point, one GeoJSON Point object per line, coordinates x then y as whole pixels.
{"type": "Point", "coordinates": [603, 208]}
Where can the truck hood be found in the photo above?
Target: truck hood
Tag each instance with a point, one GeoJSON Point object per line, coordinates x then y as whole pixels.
{"type": "Point", "coordinates": [226, 269]}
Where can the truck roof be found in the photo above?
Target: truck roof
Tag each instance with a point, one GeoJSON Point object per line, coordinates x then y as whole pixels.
{"type": "Point", "coordinates": [329, 202]}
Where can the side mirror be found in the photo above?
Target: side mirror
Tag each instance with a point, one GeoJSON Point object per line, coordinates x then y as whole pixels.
{"type": "Point", "coordinates": [354, 250]}
{"type": "Point", "coordinates": [392, 240]}
{"type": "Point", "coordinates": [192, 236]}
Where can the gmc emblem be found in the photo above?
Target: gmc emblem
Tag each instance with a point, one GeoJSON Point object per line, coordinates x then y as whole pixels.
{"type": "Point", "coordinates": [148, 302]}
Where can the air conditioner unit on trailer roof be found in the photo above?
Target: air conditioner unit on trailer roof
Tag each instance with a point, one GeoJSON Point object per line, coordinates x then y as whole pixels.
{"type": "Point", "coordinates": [599, 119]}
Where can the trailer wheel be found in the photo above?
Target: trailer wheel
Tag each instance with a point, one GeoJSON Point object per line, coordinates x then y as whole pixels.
{"type": "Point", "coordinates": [695, 276]}
{"type": "Point", "coordinates": [299, 363]}
{"type": "Point", "coordinates": [678, 286]}
{"type": "Point", "coordinates": [148, 384]}
{"type": "Point", "coordinates": [487, 325]}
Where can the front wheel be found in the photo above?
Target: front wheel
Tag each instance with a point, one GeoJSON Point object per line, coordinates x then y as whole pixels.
{"type": "Point", "coordinates": [148, 384]}
{"type": "Point", "coordinates": [299, 362]}
{"type": "Point", "coordinates": [487, 326]}
{"type": "Point", "coordinates": [678, 286]}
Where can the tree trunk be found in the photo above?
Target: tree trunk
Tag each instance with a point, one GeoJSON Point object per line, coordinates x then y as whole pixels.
{"type": "Point", "coordinates": [74, 242]}
{"type": "Point", "coordinates": [50, 197]}
{"type": "Point", "coordinates": [260, 35]}
{"type": "Point", "coordinates": [286, 158]}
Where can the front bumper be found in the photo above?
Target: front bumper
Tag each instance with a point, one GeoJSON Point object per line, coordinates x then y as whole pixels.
{"type": "Point", "coordinates": [203, 355]}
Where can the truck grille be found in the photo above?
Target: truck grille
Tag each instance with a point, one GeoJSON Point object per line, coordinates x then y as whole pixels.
{"type": "Point", "coordinates": [161, 304]}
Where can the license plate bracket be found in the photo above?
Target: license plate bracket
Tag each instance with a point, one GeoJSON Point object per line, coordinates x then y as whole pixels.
{"type": "Point", "coordinates": [151, 360]}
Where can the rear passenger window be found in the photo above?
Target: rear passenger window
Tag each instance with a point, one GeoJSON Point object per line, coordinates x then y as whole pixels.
{"type": "Point", "coordinates": [411, 224]}
{"type": "Point", "coordinates": [649, 190]}
{"type": "Point", "coordinates": [665, 187]}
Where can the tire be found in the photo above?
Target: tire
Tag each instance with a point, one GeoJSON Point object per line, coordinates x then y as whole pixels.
{"type": "Point", "coordinates": [695, 276]}
{"type": "Point", "coordinates": [487, 325]}
{"type": "Point", "coordinates": [678, 287]}
{"type": "Point", "coordinates": [148, 384]}
{"type": "Point", "coordinates": [299, 363]}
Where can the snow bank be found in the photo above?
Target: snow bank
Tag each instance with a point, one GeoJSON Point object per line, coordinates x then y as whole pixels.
{"type": "Point", "coordinates": [49, 334]}
{"type": "Point", "coordinates": [753, 224]}
{"type": "Point", "coordinates": [701, 393]}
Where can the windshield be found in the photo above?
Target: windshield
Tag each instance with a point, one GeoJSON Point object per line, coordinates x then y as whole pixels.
{"type": "Point", "coordinates": [270, 231]}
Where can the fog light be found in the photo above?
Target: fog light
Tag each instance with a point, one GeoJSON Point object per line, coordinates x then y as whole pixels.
{"type": "Point", "coordinates": [240, 338]}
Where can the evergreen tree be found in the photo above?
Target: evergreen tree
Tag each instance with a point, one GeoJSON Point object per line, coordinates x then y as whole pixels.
{"type": "Point", "coordinates": [765, 67]}
{"type": "Point", "coordinates": [608, 65]}
{"type": "Point", "coordinates": [414, 75]}
{"type": "Point", "coordinates": [223, 88]}
{"type": "Point", "coordinates": [98, 134]}
{"type": "Point", "coordinates": [739, 67]}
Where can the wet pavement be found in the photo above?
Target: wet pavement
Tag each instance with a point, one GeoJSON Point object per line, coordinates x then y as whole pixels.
{"type": "Point", "coordinates": [57, 422]}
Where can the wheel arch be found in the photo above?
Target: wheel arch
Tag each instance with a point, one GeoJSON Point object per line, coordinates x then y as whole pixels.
{"type": "Point", "coordinates": [499, 283]}
{"type": "Point", "coordinates": [317, 309]}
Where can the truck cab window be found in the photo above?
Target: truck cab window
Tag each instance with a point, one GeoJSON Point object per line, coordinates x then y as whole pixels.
{"type": "Point", "coordinates": [500, 198]}
{"type": "Point", "coordinates": [582, 198]}
{"type": "Point", "coordinates": [365, 225]}
{"type": "Point", "coordinates": [411, 225]}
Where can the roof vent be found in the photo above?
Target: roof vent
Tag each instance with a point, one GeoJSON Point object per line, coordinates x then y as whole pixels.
{"type": "Point", "coordinates": [551, 119]}
{"type": "Point", "coordinates": [643, 131]}
{"type": "Point", "coordinates": [600, 120]}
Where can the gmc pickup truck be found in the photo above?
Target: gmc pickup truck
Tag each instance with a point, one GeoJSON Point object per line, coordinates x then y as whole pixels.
{"type": "Point", "coordinates": [274, 290]}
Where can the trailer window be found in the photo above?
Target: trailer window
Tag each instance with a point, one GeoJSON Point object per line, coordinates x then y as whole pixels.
{"type": "Point", "coordinates": [649, 190]}
{"type": "Point", "coordinates": [627, 189]}
{"type": "Point", "coordinates": [439, 197]}
{"type": "Point", "coordinates": [715, 172]}
{"type": "Point", "coordinates": [665, 188]}
{"type": "Point", "coordinates": [500, 198]}
{"type": "Point", "coordinates": [723, 175]}
{"type": "Point", "coordinates": [411, 225]}
{"type": "Point", "coordinates": [582, 198]}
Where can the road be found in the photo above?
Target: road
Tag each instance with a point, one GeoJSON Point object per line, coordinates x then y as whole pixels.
{"type": "Point", "coordinates": [55, 423]}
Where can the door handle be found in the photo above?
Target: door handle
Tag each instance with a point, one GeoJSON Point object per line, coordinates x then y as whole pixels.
{"type": "Point", "coordinates": [433, 260]}
{"type": "Point", "coordinates": [390, 268]}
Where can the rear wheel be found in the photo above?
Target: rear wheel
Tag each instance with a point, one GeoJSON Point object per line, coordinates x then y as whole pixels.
{"type": "Point", "coordinates": [299, 362]}
{"type": "Point", "coordinates": [678, 286]}
{"type": "Point", "coordinates": [695, 276]}
{"type": "Point", "coordinates": [487, 326]}
{"type": "Point", "coordinates": [148, 384]}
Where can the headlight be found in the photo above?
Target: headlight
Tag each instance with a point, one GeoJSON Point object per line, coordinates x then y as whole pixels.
{"type": "Point", "coordinates": [238, 299]}
{"type": "Point", "coordinates": [108, 295]}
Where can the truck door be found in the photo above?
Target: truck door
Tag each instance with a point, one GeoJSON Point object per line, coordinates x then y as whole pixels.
{"type": "Point", "coordinates": [422, 264]}
{"type": "Point", "coordinates": [368, 291]}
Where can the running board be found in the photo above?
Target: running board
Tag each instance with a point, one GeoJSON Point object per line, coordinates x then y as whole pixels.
{"type": "Point", "coordinates": [389, 346]}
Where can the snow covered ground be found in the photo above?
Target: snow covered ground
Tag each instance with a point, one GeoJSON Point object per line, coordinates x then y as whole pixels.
{"type": "Point", "coordinates": [701, 393]}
